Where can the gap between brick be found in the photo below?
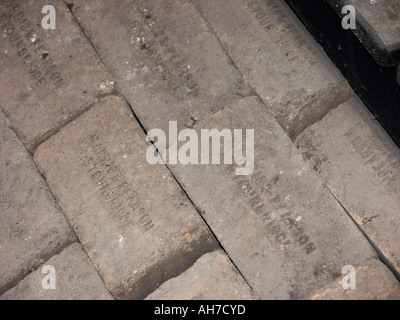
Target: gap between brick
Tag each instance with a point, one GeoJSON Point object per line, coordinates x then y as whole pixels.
{"type": "Point", "coordinates": [187, 196]}
{"type": "Point", "coordinates": [144, 130]}
{"type": "Point", "coordinates": [378, 251]}
{"type": "Point", "coordinates": [56, 250]}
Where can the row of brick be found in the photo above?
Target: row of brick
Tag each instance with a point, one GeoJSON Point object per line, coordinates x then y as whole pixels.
{"type": "Point", "coordinates": [359, 163]}
{"type": "Point", "coordinates": [264, 222]}
{"type": "Point", "coordinates": [30, 286]}
{"type": "Point", "coordinates": [280, 226]}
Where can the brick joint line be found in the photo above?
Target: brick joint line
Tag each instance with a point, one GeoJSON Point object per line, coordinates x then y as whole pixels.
{"type": "Point", "coordinates": [118, 93]}
{"type": "Point", "coordinates": [254, 90]}
{"type": "Point", "coordinates": [57, 250]}
{"type": "Point", "coordinates": [190, 200]}
{"type": "Point", "coordinates": [253, 93]}
{"type": "Point", "coordinates": [379, 252]}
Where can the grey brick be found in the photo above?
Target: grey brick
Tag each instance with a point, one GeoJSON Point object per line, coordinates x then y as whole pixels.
{"type": "Point", "coordinates": [360, 165]}
{"type": "Point", "coordinates": [373, 281]}
{"type": "Point", "coordinates": [75, 278]}
{"type": "Point", "coordinates": [287, 68]}
{"type": "Point", "coordinates": [133, 219]}
{"type": "Point", "coordinates": [48, 76]}
{"type": "Point", "coordinates": [283, 229]}
{"type": "Point", "coordinates": [168, 63]}
{"type": "Point", "coordinates": [212, 277]}
{"type": "Point", "coordinates": [32, 227]}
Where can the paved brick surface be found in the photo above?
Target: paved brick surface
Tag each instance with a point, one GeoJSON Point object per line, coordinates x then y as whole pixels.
{"type": "Point", "coordinates": [149, 230]}
{"type": "Point", "coordinates": [360, 164]}
{"type": "Point", "coordinates": [167, 62]}
{"type": "Point", "coordinates": [282, 62]}
{"type": "Point", "coordinates": [212, 277]}
{"type": "Point", "coordinates": [75, 278]}
{"type": "Point", "coordinates": [47, 77]}
{"type": "Point", "coordinates": [373, 281]}
{"type": "Point", "coordinates": [285, 232]}
{"type": "Point", "coordinates": [32, 227]}
{"type": "Point", "coordinates": [137, 226]}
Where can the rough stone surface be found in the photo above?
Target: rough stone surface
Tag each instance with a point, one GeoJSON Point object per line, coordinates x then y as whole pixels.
{"type": "Point", "coordinates": [284, 231]}
{"type": "Point", "coordinates": [360, 164]}
{"type": "Point", "coordinates": [167, 62]}
{"type": "Point", "coordinates": [373, 281]}
{"type": "Point", "coordinates": [75, 278]}
{"type": "Point", "coordinates": [32, 227]}
{"type": "Point", "coordinates": [48, 76]}
{"type": "Point", "coordinates": [287, 68]}
{"type": "Point", "coordinates": [212, 277]}
{"type": "Point", "coordinates": [132, 218]}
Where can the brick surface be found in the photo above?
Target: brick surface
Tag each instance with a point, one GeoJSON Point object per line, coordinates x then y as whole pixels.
{"type": "Point", "coordinates": [284, 231]}
{"type": "Point", "coordinates": [48, 76]}
{"type": "Point", "coordinates": [373, 281]}
{"type": "Point", "coordinates": [75, 279]}
{"type": "Point", "coordinates": [167, 62]}
{"type": "Point", "coordinates": [360, 164]}
{"type": "Point", "coordinates": [282, 62]}
{"type": "Point", "coordinates": [378, 27]}
{"type": "Point", "coordinates": [32, 227]}
{"type": "Point", "coordinates": [133, 219]}
{"type": "Point", "coordinates": [212, 277]}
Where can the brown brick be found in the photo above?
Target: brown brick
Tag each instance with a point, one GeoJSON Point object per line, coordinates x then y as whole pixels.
{"type": "Point", "coordinates": [32, 227]}
{"type": "Point", "coordinates": [281, 227]}
{"type": "Point", "coordinates": [360, 165]}
{"type": "Point", "coordinates": [373, 281]}
{"type": "Point", "coordinates": [132, 218]}
{"type": "Point", "coordinates": [167, 62]}
{"type": "Point", "coordinates": [75, 278]}
{"type": "Point", "coordinates": [212, 277]}
{"type": "Point", "coordinates": [287, 68]}
{"type": "Point", "coordinates": [48, 77]}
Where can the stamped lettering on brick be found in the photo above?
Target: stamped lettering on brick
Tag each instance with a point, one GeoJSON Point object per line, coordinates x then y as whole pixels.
{"type": "Point", "coordinates": [20, 33]}
{"type": "Point", "coordinates": [112, 186]}
{"type": "Point", "coordinates": [153, 40]}
{"type": "Point", "coordinates": [283, 230]}
{"type": "Point", "coordinates": [377, 157]}
{"type": "Point", "coordinates": [170, 64]}
{"type": "Point", "coordinates": [291, 41]}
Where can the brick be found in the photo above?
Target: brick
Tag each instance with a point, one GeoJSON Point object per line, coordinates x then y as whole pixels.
{"type": "Point", "coordinates": [133, 219]}
{"type": "Point", "coordinates": [281, 227]}
{"type": "Point", "coordinates": [359, 163]}
{"type": "Point", "coordinates": [48, 77]}
{"type": "Point", "coordinates": [168, 63]}
{"type": "Point", "coordinates": [32, 227]}
{"type": "Point", "coordinates": [212, 277]}
{"type": "Point", "coordinates": [373, 281]}
{"type": "Point", "coordinates": [287, 68]}
{"type": "Point", "coordinates": [75, 279]}
{"type": "Point", "coordinates": [377, 27]}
